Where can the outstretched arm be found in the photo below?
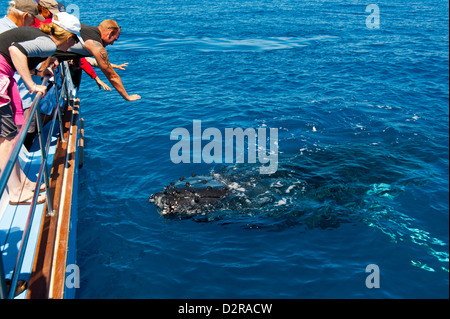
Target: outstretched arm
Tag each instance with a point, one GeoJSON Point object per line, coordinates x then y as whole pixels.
{"type": "Point", "coordinates": [101, 56]}
{"type": "Point", "coordinates": [93, 62]}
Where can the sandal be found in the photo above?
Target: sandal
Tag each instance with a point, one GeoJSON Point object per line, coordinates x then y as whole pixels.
{"type": "Point", "coordinates": [42, 189]}
{"type": "Point", "coordinates": [21, 286]}
{"type": "Point", "coordinates": [27, 202]}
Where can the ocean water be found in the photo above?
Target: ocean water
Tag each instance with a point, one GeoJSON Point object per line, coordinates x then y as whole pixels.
{"type": "Point", "coordinates": [362, 116]}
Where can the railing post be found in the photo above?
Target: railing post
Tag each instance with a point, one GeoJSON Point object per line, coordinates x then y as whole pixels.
{"type": "Point", "coordinates": [3, 290]}
{"type": "Point", "coordinates": [61, 128]}
{"type": "Point", "coordinates": [25, 236]}
{"type": "Point", "coordinates": [50, 212]}
{"type": "Point", "coordinates": [58, 108]}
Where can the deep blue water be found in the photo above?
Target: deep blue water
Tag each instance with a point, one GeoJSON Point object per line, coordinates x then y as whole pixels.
{"type": "Point", "coordinates": [362, 116]}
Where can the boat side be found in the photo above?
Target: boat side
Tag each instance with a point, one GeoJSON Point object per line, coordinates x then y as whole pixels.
{"type": "Point", "coordinates": [48, 279]}
{"type": "Point", "coordinates": [37, 242]}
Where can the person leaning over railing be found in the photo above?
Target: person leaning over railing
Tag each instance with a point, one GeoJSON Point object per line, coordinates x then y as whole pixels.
{"type": "Point", "coordinates": [21, 13]}
{"type": "Point", "coordinates": [95, 41]}
{"type": "Point", "coordinates": [21, 49]}
{"type": "Point", "coordinates": [46, 8]}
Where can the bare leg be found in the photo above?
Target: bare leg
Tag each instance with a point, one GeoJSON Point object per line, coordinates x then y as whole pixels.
{"type": "Point", "coordinates": [15, 190]}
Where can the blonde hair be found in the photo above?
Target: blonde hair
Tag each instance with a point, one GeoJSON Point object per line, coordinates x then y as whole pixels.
{"type": "Point", "coordinates": [56, 31]}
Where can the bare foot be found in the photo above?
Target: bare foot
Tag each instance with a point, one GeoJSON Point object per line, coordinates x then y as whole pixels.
{"type": "Point", "coordinates": [31, 186]}
{"type": "Point", "coordinates": [25, 198]}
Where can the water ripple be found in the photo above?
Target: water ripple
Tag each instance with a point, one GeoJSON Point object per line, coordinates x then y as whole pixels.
{"type": "Point", "coordinates": [138, 42]}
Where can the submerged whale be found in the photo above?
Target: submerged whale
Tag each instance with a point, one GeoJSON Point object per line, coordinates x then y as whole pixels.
{"type": "Point", "coordinates": [188, 200]}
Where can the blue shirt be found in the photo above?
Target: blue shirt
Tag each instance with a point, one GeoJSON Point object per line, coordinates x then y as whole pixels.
{"type": "Point", "coordinates": [6, 24]}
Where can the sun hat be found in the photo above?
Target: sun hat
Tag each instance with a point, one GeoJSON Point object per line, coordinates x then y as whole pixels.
{"type": "Point", "coordinates": [50, 5]}
{"type": "Point", "coordinates": [69, 23]}
{"type": "Point", "coordinates": [28, 6]}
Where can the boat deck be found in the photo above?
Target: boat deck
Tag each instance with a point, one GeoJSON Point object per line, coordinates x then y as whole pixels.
{"type": "Point", "coordinates": [13, 219]}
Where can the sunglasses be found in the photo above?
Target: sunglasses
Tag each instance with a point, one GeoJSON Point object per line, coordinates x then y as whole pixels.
{"type": "Point", "coordinates": [115, 28]}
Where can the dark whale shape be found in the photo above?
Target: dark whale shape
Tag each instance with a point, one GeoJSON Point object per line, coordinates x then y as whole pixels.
{"type": "Point", "coordinates": [188, 200]}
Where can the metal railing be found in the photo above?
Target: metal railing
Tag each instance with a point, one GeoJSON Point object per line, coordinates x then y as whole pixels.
{"type": "Point", "coordinates": [66, 93]}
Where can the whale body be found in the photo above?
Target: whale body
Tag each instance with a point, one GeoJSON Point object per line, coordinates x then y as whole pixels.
{"type": "Point", "coordinates": [188, 200]}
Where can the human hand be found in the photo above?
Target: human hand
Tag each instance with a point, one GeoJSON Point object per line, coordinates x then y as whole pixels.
{"type": "Point", "coordinates": [102, 85]}
{"type": "Point", "coordinates": [54, 63]}
{"type": "Point", "coordinates": [39, 89]}
{"type": "Point", "coordinates": [133, 97]}
{"type": "Point", "coordinates": [48, 72]}
{"type": "Point", "coordinates": [121, 66]}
